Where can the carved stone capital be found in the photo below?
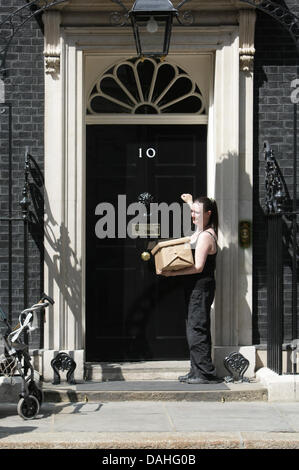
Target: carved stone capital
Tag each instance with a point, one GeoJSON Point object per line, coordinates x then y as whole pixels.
{"type": "Point", "coordinates": [52, 64]}
{"type": "Point", "coordinates": [246, 42]}
{"type": "Point", "coordinates": [52, 50]}
{"type": "Point", "coordinates": [246, 59]}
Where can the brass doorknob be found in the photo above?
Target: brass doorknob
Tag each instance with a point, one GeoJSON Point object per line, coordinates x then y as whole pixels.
{"type": "Point", "coordinates": [145, 256]}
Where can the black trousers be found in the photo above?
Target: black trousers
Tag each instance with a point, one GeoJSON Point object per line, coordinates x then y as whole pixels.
{"type": "Point", "coordinates": [199, 296]}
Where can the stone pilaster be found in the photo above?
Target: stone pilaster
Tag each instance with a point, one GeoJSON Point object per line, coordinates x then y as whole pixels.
{"type": "Point", "coordinates": [246, 45]}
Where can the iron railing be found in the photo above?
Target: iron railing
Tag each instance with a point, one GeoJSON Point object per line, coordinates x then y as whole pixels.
{"type": "Point", "coordinates": [274, 293]}
{"type": "Point", "coordinates": [276, 207]}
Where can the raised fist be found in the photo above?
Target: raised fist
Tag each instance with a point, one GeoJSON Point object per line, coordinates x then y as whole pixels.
{"type": "Point", "coordinates": [187, 198]}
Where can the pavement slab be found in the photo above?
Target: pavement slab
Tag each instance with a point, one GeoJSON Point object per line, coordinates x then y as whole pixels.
{"type": "Point", "coordinates": [153, 425]}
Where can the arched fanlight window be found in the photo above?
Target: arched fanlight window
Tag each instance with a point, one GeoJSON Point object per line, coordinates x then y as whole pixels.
{"type": "Point", "coordinates": [145, 86]}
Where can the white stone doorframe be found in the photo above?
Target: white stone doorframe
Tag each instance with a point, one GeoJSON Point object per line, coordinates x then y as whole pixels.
{"type": "Point", "coordinates": [229, 175]}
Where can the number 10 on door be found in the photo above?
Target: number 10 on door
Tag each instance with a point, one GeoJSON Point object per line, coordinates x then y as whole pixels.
{"type": "Point", "coordinates": [149, 153]}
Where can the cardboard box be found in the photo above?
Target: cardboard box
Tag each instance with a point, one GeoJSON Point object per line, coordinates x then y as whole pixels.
{"type": "Point", "coordinates": [173, 255]}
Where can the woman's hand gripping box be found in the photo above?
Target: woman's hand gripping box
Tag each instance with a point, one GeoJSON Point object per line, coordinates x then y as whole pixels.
{"type": "Point", "coordinates": [172, 255]}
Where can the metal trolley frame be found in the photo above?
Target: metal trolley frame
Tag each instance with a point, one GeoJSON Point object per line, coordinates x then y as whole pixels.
{"type": "Point", "coordinates": [16, 359]}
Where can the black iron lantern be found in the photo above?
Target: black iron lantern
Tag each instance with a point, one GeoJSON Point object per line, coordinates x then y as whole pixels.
{"type": "Point", "coordinates": [152, 24]}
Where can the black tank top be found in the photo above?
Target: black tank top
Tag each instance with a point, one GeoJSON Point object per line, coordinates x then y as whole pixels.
{"type": "Point", "coordinates": [208, 271]}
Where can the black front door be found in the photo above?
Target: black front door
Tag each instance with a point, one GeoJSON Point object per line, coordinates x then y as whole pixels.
{"type": "Point", "coordinates": [131, 313]}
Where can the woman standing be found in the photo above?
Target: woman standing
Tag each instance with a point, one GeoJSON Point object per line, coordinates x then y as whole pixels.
{"type": "Point", "coordinates": [200, 289]}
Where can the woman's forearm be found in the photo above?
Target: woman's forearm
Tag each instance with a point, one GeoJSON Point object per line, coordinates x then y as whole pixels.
{"type": "Point", "coordinates": [182, 272]}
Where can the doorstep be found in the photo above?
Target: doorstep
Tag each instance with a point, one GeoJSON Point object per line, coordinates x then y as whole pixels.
{"type": "Point", "coordinates": [136, 371]}
{"type": "Point", "coordinates": [171, 390]}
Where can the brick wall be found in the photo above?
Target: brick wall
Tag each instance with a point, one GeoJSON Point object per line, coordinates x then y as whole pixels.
{"type": "Point", "coordinates": [276, 65]}
{"type": "Point", "coordinates": [24, 93]}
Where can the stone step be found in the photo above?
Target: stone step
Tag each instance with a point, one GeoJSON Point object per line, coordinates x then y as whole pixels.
{"type": "Point", "coordinates": [135, 371]}
{"type": "Point", "coordinates": [171, 390]}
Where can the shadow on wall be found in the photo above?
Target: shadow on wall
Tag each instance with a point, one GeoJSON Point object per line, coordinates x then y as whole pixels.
{"type": "Point", "coordinates": [64, 264]}
{"type": "Point", "coordinates": [35, 226]}
{"type": "Point", "coordinates": [233, 289]}
{"type": "Point", "coordinates": [249, 316]}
